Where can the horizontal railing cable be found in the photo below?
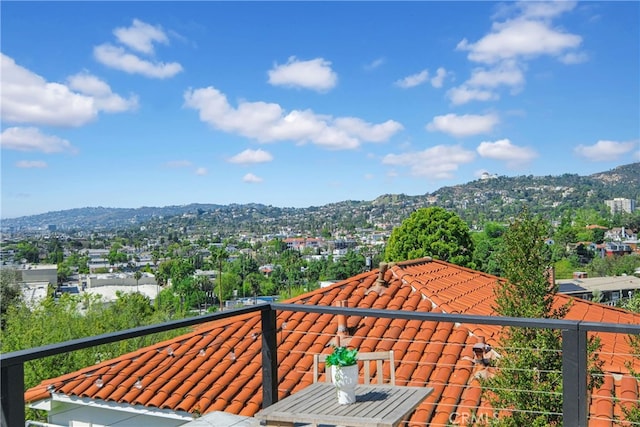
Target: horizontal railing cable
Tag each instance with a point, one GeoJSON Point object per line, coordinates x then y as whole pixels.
{"type": "Point", "coordinates": [465, 365]}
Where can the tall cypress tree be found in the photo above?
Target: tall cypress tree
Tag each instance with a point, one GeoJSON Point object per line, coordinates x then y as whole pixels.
{"type": "Point", "coordinates": [528, 378]}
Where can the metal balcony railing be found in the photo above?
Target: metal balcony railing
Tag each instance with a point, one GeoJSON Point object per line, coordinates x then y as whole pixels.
{"type": "Point", "coordinates": [574, 350]}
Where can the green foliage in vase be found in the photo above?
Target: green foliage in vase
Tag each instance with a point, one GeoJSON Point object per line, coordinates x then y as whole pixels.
{"type": "Point", "coordinates": [342, 356]}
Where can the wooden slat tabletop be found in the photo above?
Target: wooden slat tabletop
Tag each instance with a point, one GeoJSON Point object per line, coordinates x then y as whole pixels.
{"type": "Point", "coordinates": [376, 405]}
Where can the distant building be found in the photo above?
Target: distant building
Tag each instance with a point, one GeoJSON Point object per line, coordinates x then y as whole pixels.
{"type": "Point", "coordinates": [620, 204]}
{"type": "Point", "coordinates": [612, 249]}
{"type": "Point", "coordinates": [486, 175]}
{"type": "Point", "coordinates": [39, 273]}
{"type": "Point", "coordinates": [608, 289]}
{"type": "Point", "coordinates": [116, 279]}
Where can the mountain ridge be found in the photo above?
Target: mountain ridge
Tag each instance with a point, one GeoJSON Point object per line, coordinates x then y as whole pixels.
{"type": "Point", "coordinates": [492, 198]}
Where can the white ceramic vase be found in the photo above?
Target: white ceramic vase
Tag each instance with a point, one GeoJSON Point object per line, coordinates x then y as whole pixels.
{"type": "Point", "coordinates": [345, 379]}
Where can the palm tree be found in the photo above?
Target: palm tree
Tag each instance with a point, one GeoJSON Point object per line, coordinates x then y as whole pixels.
{"type": "Point", "coordinates": [218, 255]}
{"type": "Point", "coordinates": [137, 275]}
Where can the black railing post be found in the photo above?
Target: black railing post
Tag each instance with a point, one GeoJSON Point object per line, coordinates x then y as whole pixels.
{"type": "Point", "coordinates": [12, 395]}
{"type": "Point", "coordinates": [574, 378]}
{"type": "Point", "coordinates": [269, 358]}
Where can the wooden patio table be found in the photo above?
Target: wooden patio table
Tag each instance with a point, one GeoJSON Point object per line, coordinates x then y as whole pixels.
{"type": "Point", "coordinates": [376, 405]}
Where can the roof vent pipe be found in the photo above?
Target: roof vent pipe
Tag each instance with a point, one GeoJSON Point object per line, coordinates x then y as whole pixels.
{"type": "Point", "coordinates": [342, 319]}
{"type": "Point", "coordinates": [383, 269]}
{"type": "Point", "coordinates": [342, 335]}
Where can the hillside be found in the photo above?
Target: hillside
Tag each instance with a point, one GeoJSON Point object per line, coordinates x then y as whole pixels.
{"type": "Point", "coordinates": [494, 198]}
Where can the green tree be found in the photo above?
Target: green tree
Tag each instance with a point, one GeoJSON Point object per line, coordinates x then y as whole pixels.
{"type": "Point", "coordinates": [486, 246]}
{"type": "Point", "coordinates": [64, 272]}
{"type": "Point", "coordinates": [349, 265]}
{"type": "Point", "coordinates": [28, 252]}
{"type": "Point", "coordinates": [434, 232]}
{"type": "Point", "coordinates": [190, 293]}
{"type": "Point", "coordinates": [632, 409]}
{"type": "Point", "coordinates": [613, 266]}
{"type": "Point", "coordinates": [253, 283]}
{"type": "Point", "coordinates": [565, 267]}
{"type": "Point", "coordinates": [55, 251]}
{"type": "Point", "coordinates": [115, 257]}
{"type": "Point", "coordinates": [10, 294]}
{"type": "Point", "coordinates": [219, 255]}
{"type": "Point", "coordinates": [137, 275]}
{"type": "Point", "coordinates": [69, 317]}
{"type": "Point", "coordinates": [529, 373]}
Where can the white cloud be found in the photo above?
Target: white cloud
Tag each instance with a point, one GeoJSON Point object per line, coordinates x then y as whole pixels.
{"type": "Point", "coordinates": [526, 32]}
{"type": "Point", "coordinates": [505, 73]}
{"type": "Point", "coordinates": [366, 131]}
{"type": "Point", "coordinates": [374, 64]}
{"type": "Point", "coordinates": [251, 157]}
{"type": "Point", "coordinates": [504, 150]}
{"type": "Point", "coordinates": [174, 164]}
{"type": "Point", "coordinates": [141, 36]}
{"type": "Point", "coordinates": [439, 162]}
{"type": "Point", "coordinates": [545, 9]}
{"type": "Point", "coordinates": [465, 125]}
{"type": "Point", "coordinates": [463, 94]}
{"type": "Point", "coordinates": [251, 179]}
{"type": "Point", "coordinates": [268, 122]}
{"type": "Point", "coordinates": [604, 150]}
{"type": "Point", "coordinates": [438, 80]}
{"type": "Point", "coordinates": [31, 164]}
{"type": "Point", "coordinates": [119, 59]}
{"type": "Point", "coordinates": [520, 38]}
{"type": "Point", "coordinates": [29, 98]}
{"type": "Point", "coordinates": [574, 58]}
{"type": "Point", "coordinates": [101, 92]}
{"type": "Point", "coordinates": [423, 76]}
{"type": "Point", "coordinates": [31, 139]}
{"type": "Point", "coordinates": [483, 82]}
{"type": "Point", "coordinates": [315, 74]}
{"type": "Point", "coordinates": [413, 80]}
{"type": "Point", "coordinates": [201, 171]}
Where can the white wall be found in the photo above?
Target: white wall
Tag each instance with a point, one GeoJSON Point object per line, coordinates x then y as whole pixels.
{"type": "Point", "coordinates": [69, 414]}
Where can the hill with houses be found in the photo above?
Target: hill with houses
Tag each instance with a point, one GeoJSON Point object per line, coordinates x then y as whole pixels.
{"type": "Point", "coordinates": [493, 198]}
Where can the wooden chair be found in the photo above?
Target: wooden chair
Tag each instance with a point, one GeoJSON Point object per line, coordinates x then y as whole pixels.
{"type": "Point", "coordinates": [378, 356]}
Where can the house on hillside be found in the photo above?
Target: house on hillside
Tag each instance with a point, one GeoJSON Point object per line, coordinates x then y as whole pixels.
{"type": "Point", "coordinates": [620, 234]}
{"type": "Point", "coordinates": [612, 249]}
{"type": "Point", "coordinates": [216, 370]}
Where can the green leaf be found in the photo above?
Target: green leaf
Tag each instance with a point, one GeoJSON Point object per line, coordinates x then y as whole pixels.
{"type": "Point", "coordinates": [342, 356]}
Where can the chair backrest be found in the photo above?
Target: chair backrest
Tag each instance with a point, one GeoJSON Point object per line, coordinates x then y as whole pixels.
{"type": "Point", "coordinates": [366, 360]}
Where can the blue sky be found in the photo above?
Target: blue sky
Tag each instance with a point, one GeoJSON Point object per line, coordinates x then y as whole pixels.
{"type": "Point", "coordinates": [296, 104]}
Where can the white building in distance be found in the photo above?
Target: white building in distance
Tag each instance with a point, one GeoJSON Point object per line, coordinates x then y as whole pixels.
{"type": "Point", "coordinates": [620, 204]}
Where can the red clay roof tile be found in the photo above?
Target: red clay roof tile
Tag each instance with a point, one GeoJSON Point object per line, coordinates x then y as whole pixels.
{"type": "Point", "coordinates": [218, 366]}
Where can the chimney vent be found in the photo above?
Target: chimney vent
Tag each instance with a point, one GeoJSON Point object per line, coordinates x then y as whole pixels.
{"type": "Point", "coordinates": [380, 284]}
{"type": "Point", "coordinates": [383, 269]}
{"type": "Point", "coordinates": [342, 335]}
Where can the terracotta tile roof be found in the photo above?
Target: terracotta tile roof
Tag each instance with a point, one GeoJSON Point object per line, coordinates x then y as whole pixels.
{"type": "Point", "coordinates": [218, 366]}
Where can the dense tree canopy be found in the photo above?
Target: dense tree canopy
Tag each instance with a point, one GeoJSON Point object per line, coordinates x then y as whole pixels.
{"type": "Point", "coordinates": [69, 317]}
{"type": "Point", "coordinates": [434, 232]}
{"type": "Point", "coordinates": [486, 245]}
{"type": "Point", "coordinates": [9, 290]}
